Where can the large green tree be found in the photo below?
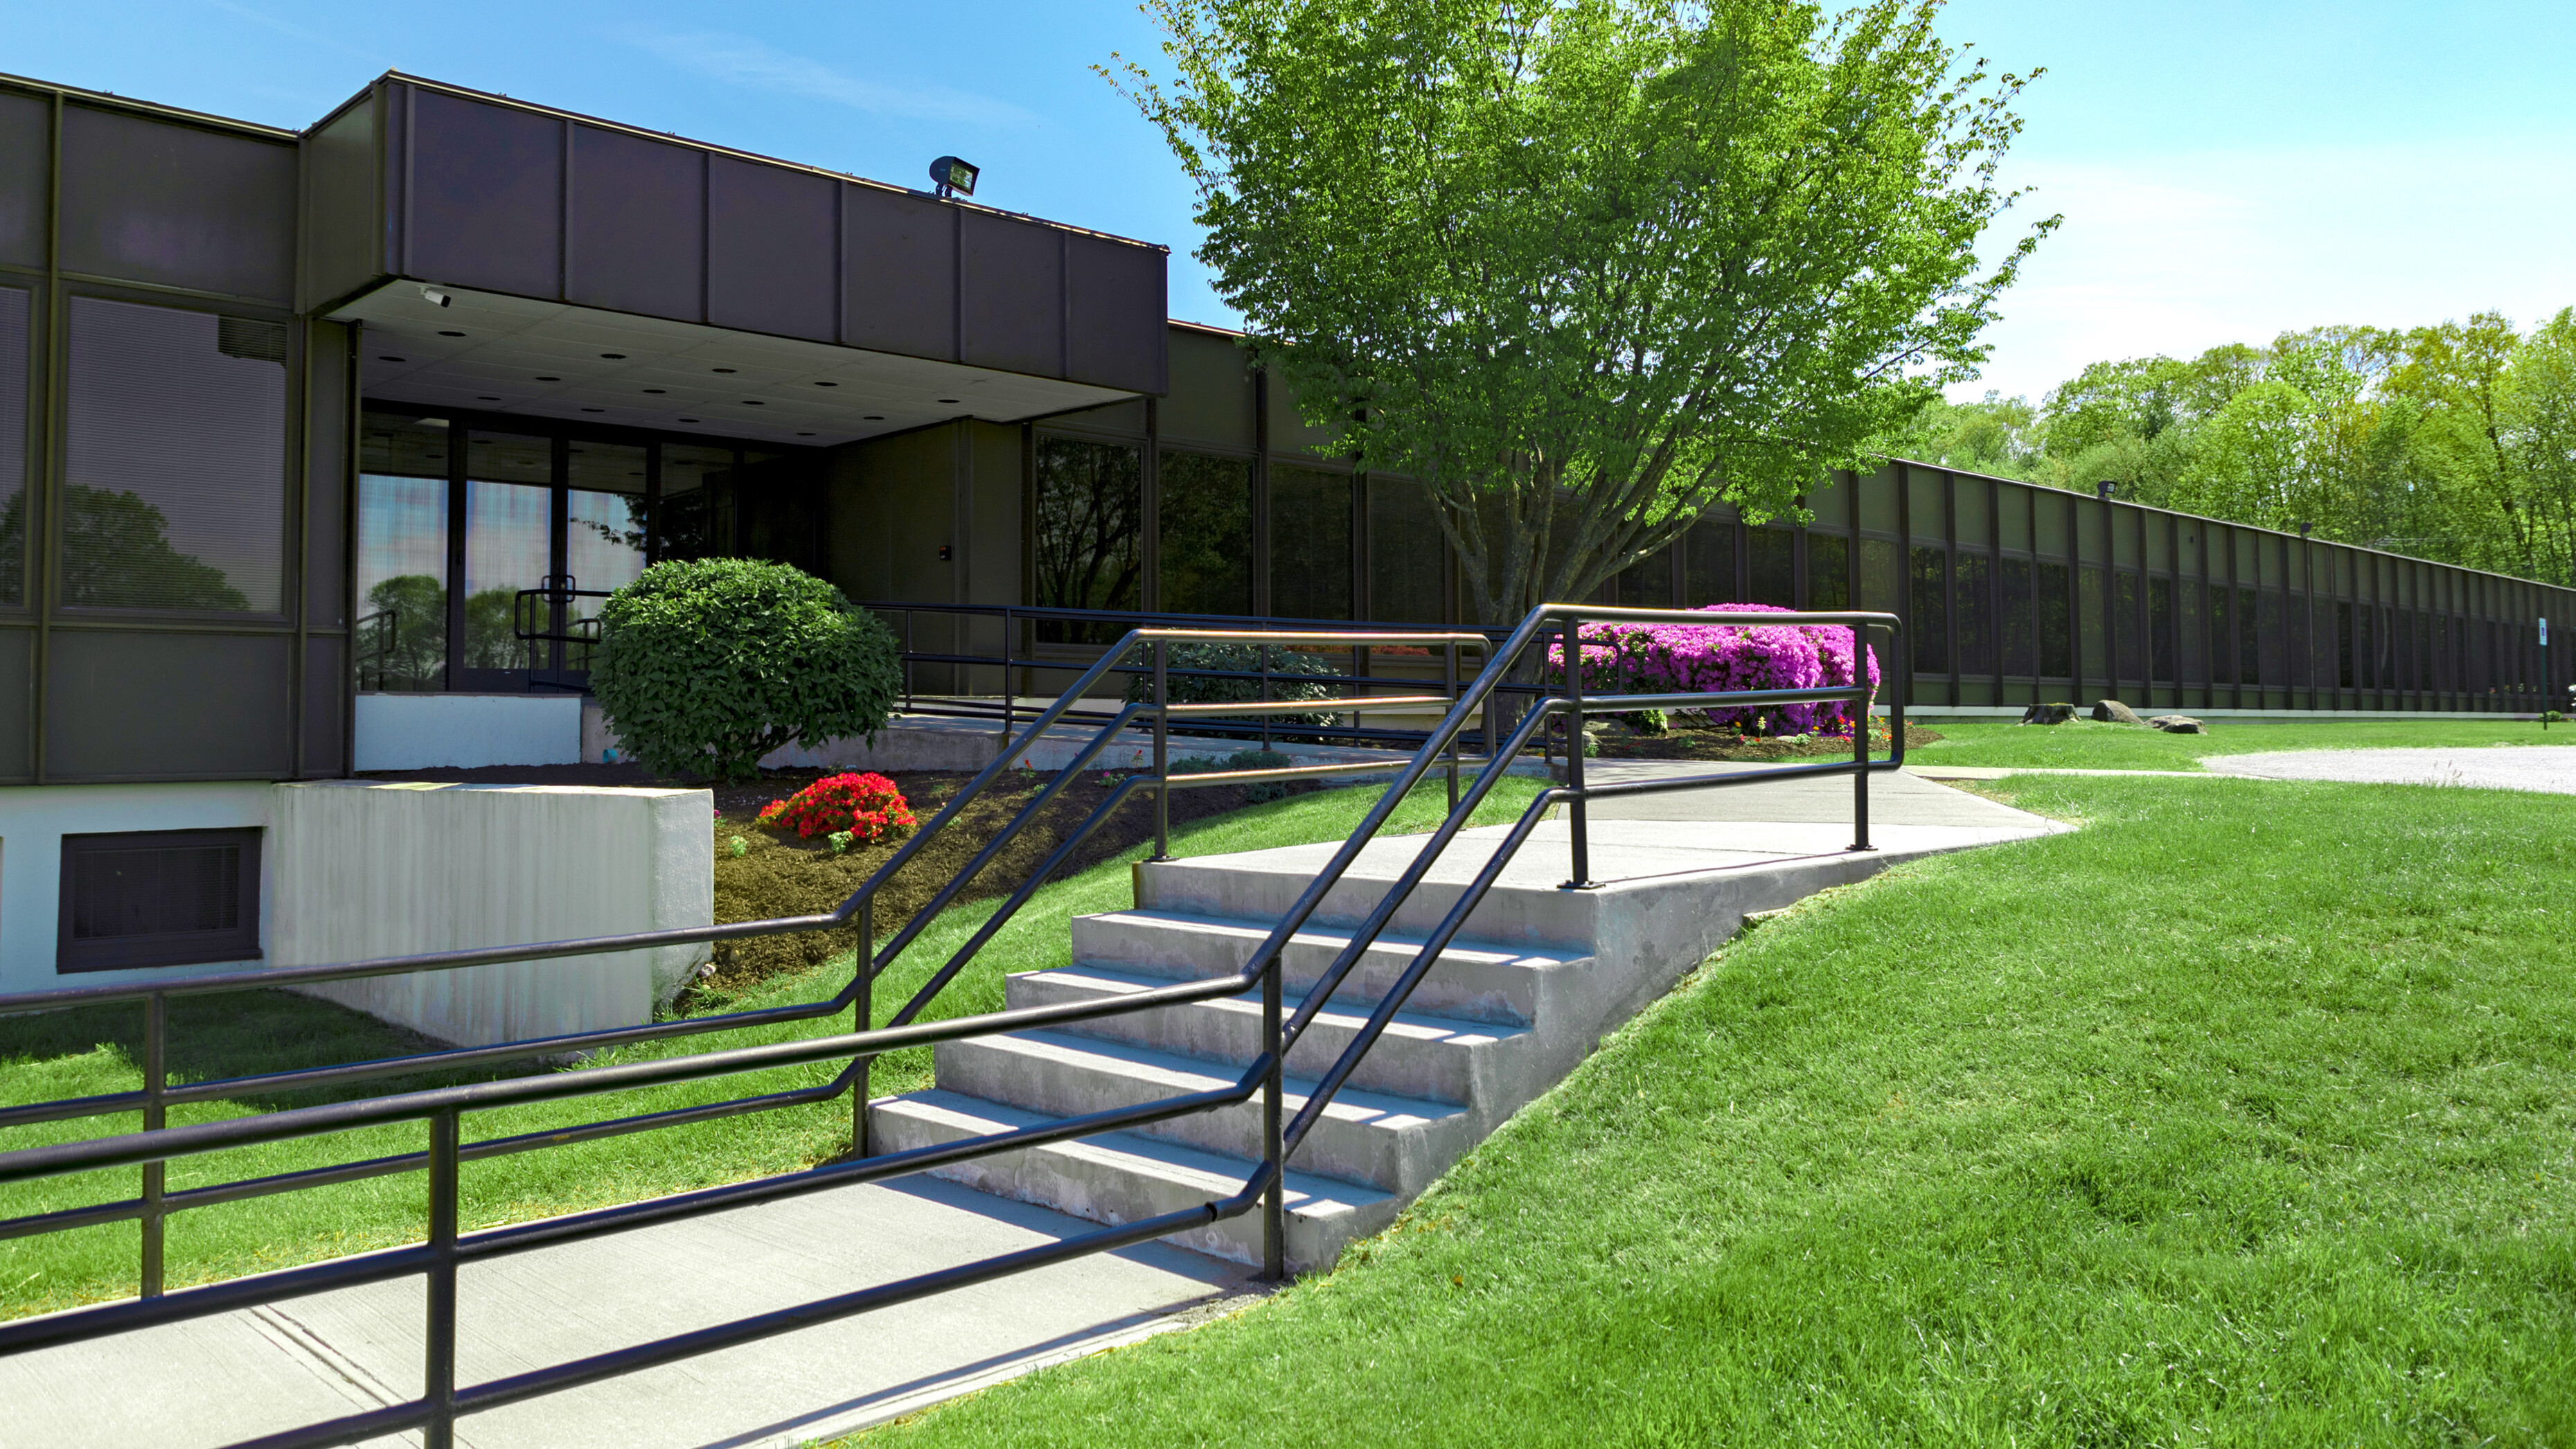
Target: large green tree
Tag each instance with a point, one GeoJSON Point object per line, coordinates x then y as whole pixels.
{"type": "Point", "coordinates": [1584, 267]}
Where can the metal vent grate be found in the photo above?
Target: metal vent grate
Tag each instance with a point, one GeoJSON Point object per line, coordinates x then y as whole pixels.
{"type": "Point", "coordinates": [251, 340]}
{"type": "Point", "coordinates": [163, 898]}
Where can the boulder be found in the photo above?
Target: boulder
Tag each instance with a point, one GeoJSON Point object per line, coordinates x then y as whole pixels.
{"type": "Point", "coordinates": [2048, 714]}
{"type": "Point", "coordinates": [2111, 711]}
{"type": "Point", "coordinates": [2178, 724]}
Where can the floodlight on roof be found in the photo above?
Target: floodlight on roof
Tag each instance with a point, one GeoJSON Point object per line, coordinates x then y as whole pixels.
{"type": "Point", "coordinates": [953, 177]}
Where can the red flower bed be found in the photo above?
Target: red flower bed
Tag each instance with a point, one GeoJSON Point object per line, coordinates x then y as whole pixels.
{"type": "Point", "coordinates": [870, 807]}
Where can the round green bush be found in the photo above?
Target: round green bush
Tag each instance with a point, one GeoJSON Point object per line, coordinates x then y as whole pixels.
{"type": "Point", "coordinates": [706, 665]}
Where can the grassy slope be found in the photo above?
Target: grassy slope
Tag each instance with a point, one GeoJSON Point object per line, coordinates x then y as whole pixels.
{"type": "Point", "coordinates": [2242, 1116]}
{"type": "Point", "coordinates": [2085, 745]}
{"type": "Point", "coordinates": [70, 1055]}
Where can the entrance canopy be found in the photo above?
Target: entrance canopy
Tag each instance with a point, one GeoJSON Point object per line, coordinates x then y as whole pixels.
{"type": "Point", "coordinates": [495, 353]}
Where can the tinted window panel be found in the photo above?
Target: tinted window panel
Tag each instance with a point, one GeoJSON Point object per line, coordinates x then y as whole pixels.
{"type": "Point", "coordinates": [175, 461]}
{"type": "Point", "coordinates": [402, 553]}
{"type": "Point", "coordinates": [1310, 543]}
{"type": "Point", "coordinates": [1090, 528]}
{"type": "Point", "coordinates": [1206, 517]}
{"type": "Point", "coordinates": [13, 445]}
{"type": "Point", "coordinates": [1407, 550]}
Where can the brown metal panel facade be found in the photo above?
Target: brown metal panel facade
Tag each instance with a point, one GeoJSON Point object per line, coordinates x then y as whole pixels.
{"type": "Point", "coordinates": [772, 235]}
{"type": "Point", "coordinates": [635, 243]}
{"type": "Point", "coordinates": [1010, 282]}
{"type": "Point", "coordinates": [898, 273]}
{"type": "Point", "coordinates": [1114, 310]}
{"type": "Point", "coordinates": [343, 199]}
{"type": "Point", "coordinates": [483, 188]}
{"type": "Point", "coordinates": [146, 199]}
{"type": "Point", "coordinates": [134, 705]}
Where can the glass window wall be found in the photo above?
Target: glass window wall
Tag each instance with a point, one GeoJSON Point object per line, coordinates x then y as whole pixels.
{"type": "Point", "coordinates": [1772, 554]}
{"type": "Point", "coordinates": [1310, 543]}
{"type": "Point", "coordinates": [1828, 572]}
{"type": "Point", "coordinates": [13, 445]}
{"type": "Point", "coordinates": [1205, 517]}
{"type": "Point", "coordinates": [1089, 535]}
{"type": "Point", "coordinates": [174, 489]}
{"type": "Point", "coordinates": [401, 630]}
{"type": "Point", "coordinates": [1929, 637]}
{"type": "Point", "coordinates": [1708, 564]}
{"type": "Point", "coordinates": [509, 542]}
{"type": "Point", "coordinates": [1406, 548]}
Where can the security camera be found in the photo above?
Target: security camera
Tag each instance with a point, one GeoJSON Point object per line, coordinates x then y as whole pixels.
{"type": "Point", "coordinates": [434, 297]}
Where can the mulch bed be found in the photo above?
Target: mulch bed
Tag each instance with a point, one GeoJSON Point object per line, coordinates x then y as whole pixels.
{"type": "Point", "coordinates": [781, 875]}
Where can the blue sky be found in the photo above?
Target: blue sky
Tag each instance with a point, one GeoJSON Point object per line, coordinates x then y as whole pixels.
{"type": "Point", "coordinates": [2227, 171]}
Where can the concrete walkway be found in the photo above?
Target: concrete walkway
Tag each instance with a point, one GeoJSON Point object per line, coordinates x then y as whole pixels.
{"type": "Point", "coordinates": [2547, 768]}
{"type": "Point", "coordinates": [222, 1379]}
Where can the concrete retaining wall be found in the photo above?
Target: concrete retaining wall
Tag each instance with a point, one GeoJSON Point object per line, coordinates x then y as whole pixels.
{"type": "Point", "coordinates": [360, 870]}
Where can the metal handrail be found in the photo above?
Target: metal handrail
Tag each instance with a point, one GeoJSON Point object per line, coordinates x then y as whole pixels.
{"type": "Point", "coordinates": [443, 1400]}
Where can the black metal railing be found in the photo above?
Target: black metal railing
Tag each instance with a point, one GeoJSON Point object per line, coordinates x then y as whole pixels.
{"type": "Point", "coordinates": [441, 1109]}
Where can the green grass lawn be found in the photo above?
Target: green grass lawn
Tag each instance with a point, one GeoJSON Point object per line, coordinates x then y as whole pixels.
{"type": "Point", "coordinates": [78, 1053]}
{"type": "Point", "coordinates": [2245, 1115]}
{"type": "Point", "coordinates": [2086, 745]}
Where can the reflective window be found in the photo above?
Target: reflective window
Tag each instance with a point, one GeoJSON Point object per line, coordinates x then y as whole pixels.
{"type": "Point", "coordinates": [1973, 588]}
{"type": "Point", "coordinates": [2160, 629]}
{"type": "Point", "coordinates": [1928, 634]}
{"type": "Point", "coordinates": [1882, 587]}
{"type": "Point", "coordinates": [13, 445]}
{"type": "Point", "coordinates": [401, 631]}
{"type": "Point", "coordinates": [1090, 525]}
{"type": "Point", "coordinates": [1205, 516]}
{"type": "Point", "coordinates": [1708, 564]}
{"type": "Point", "coordinates": [2020, 630]}
{"type": "Point", "coordinates": [2124, 627]}
{"type": "Point", "coordinates": [1772, 555]}
{"type": "Point", "coordinates": [509, 533]}
{"type": "Point", "coordinates": [690, 477]}
{"type": "Point", "coordinates": [2092, 623]}
{"type": "Point", "coordinates": [2249, 639]}
{"type": "Point", "coordinates": [1310, 543]}
{"type": "Point", "coordinates": [2056, 639]}
{"type": "Point", "coordinates": [1828, 572]}
{"type": "Point", "coordinates": [174, 490]}
{"type": "Point", "coordinates": [1645, 584]}
{"type": "Point", "coordinates": [1407, 551]}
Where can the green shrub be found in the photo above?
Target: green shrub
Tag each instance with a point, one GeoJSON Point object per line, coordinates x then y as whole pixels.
{"type": "Point", "coordinates": [1291, 673]}
{"type": "Point", "coordinates": [706, 665]}
{"type": "Point", "coordinates": [1262, 793]}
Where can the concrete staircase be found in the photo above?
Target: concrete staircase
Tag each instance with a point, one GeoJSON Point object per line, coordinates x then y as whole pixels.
{"type": "Point", "coordinates": [1539, 977]}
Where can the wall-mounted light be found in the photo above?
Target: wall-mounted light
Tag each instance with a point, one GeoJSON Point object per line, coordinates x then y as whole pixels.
{"type": "Point", "coordinates": [435, 297]}
{"type": "Point", "coordinates": [953, 177]}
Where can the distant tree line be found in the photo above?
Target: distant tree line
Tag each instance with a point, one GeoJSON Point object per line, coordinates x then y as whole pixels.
{"type": "Point", "coordinates": [2455, 442]}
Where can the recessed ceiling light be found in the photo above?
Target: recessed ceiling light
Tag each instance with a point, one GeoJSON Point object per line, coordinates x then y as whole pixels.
{"type": "Point", "coordinates": [688, 420]}
{"type": "Point", "coordinates": [550, 379]}
{"type": "Point", "coordinates": [804, 435]}
{"type": "Point", "coordinates": [487, 397]}
{"type": "Point", "coordinates": [614, 356]}
{"type": "Point", "coordinates": [948, 399]}
{"type": "Point", "coordinates": [753, 402]}
{"type": "Point", "coordinates": [827, 384]}
{"type": "Point", "coordinates": [873, 418]}
{"type": "Point", "coordinates": [724, 369]}
{"type": "Point", "coordinates": [387, 357]}
{"type": "Point", "coordinates": [451, 334]}
{"type": "Point", "coordinates": [656, 391]}
{"type": "Point", "coordinates": [594, 410]}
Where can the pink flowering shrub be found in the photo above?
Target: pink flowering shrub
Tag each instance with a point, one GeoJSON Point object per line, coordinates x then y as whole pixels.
{"type": "Point", "coordinates": [1692, 658]}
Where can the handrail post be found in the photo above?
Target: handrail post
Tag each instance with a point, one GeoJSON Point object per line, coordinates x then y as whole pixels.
{"type": "Point", "coordinates": [1162, 750]}
{"type": "Point", "coordinates": [1449, 683]}
{"type": "Point", "coordinates": [1274, 1202]}
{"type": "Point", "coordinates": [156, 1079]}
{"type": "Point", "coordinates": [1582, 879]}
{"type": "Point", "coordinates": [863, 1013]}
{"type": "Point", "coordinates": [438, 1372]}
{"type": "Point", "coordinates": [1006, 675]}
{"type": "Point", "coordinates": [1860, 740]}
{"type": "Point", "coordinates": [907, 661]}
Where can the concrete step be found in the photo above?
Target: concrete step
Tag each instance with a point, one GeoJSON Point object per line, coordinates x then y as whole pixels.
{"type": "Point", "coordinates": [1393, 1144]}
{"type": "Point", "coordinates": [1473, 981]}
{"type": "Point", "coordinates": [1120, 1177]}
{"type": "Point", "coordinates": [1438, 1059]}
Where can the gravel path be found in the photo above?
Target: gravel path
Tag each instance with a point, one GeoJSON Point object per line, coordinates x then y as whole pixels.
{"type": "Point", "coordinates": [2496, 767]}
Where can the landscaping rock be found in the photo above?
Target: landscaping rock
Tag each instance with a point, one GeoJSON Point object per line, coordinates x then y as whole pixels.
{"type": "Point", "coordinates": [2111, 711]}
{"type": "Point", "coordinates": [2048, 714]}
{"type": "Point", "coordinates": [2178, 724]}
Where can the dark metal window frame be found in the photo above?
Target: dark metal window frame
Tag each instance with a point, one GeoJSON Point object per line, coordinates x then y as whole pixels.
{"type": "Point", "coordinates": [239, 942]}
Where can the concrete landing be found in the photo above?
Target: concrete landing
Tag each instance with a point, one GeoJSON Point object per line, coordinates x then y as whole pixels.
{"type": "Point", "coordinates": [222, 1379]}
